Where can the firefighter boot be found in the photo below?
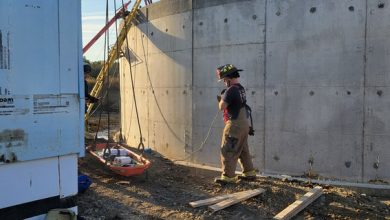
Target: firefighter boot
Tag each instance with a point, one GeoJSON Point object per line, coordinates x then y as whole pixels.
{"type": "Point", "coordinates": [226, 180]}
{"type": "Point", "coordinates": [250, 175]}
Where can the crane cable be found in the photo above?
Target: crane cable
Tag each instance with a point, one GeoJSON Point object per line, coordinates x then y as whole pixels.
{"type": "Point", "coordinates": [107, 148]}
{"type": "Point", "coordinates": [108, 85]}
{"type": "Point", "coordinates": [141, 145]}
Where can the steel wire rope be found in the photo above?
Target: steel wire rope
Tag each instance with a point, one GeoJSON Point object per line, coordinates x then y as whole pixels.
{"type": "Point", "coordinates": [116, 70]}
{"type": "Point", "coordinates": [104, 62]}
{"type": "Point", "coordinates": [141, 144]}
{"type": "Point", "coordinates": [117, 67]}
{"type": "Point", "coordinates": [107, 148]}
{"type": "Point", "coordinates": [165, 120]}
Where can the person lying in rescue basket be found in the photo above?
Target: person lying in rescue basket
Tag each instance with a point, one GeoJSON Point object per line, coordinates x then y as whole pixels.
{"type": "Point", "coordinates": [234, 144]}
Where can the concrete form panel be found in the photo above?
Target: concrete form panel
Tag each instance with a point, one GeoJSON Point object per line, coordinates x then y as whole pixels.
{"type": "Point", "coordinates": [377, 99]}
{"type": "Point", "coordinates": [165, 8]}
{"type": "Point", "coordinates": [174, 105]}
{"type": "Point", "coordinates": [314, 20]}
{"type": "Point", "coordinates": [330, 155]}
{"type": "Point", "coordinates": [376, 139]}
{"type": "Point", "coordinates": [171, 69]}
{"type": "Point", "coordinates": [301, 109]}
{"type": "Point", "coordinates": [230, 24]}
{"type": "Point", "coordinates": [376, 162]}
{"type": "Point", "coordinates": [315, 55]}
{"type": "Point", "coordinates": [315, 42]}
{"type": "Point", "coordinates": [170, 140]}
{"type": "Point", "coordinates": [171, 33]}
{"type": "Point", "coordinates": [208, 153]}
{"type": "Point", "coordinates": [315, 64]}
{"type": "Point", "coordinates": [378, 44]}
{"type": "Point", "coordinates": [301, 128]}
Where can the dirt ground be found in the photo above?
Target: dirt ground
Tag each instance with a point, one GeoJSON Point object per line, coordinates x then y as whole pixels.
{"type": "Point", "coordinates": [166, 189]}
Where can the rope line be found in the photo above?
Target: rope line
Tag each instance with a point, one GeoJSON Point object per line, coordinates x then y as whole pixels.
{"type": "Point", "coordinates": [141, 144]}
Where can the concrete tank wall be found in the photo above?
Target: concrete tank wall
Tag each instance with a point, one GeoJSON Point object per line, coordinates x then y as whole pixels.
{"type": "Point", "coordinates": [316, 74]}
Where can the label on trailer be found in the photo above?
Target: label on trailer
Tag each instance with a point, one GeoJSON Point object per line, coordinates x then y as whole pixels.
{"type": "Point", "coordinates": [14, 105]}
{"type": "Point", "coordinates": [51, 104]}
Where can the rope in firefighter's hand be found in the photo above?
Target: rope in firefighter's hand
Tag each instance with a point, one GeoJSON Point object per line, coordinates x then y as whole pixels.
{"type": "Point", "coordinates": [203, 142]}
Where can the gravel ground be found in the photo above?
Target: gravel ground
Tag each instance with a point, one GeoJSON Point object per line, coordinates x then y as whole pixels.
{"type": "Point", "coordinates": [165, 190]}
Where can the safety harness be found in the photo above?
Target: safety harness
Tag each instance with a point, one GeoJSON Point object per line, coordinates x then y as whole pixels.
{"type": "Point", "coordinates": [248, 112]}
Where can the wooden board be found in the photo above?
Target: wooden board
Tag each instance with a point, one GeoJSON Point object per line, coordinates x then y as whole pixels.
{"type": "Point", "coordinates": [210, 201]}
{"type": "Point", "coordinates": [241, 196]}
{"type": "Point", "coordinates": [300, 204]}
{"type": "Point", "coordinates": [216, 199]}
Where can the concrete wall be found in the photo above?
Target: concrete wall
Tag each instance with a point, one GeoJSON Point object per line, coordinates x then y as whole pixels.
{"type": "Point", "coordinates": [316, 74]}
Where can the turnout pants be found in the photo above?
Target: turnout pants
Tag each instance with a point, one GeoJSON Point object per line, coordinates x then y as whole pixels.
{"type": "Point", "coordinates": [234, 145]}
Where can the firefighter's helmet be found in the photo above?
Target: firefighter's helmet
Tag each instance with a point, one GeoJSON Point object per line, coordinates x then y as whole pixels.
{"type": "Point", "coordinates": [228, 71]}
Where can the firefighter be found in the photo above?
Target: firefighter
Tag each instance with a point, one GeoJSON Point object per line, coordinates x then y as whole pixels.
{"type": "Point", "coordinates": [88, 97]}
{"type": "Point", "coordinates": [234, 144]}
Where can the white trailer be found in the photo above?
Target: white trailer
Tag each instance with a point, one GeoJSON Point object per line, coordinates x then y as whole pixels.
{"type": "Point", "coordinates": [41, 106]}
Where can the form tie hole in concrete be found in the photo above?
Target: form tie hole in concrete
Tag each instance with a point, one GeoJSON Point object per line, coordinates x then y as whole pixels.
{"type": "Point", "coordinates": [311, 161]}
{"type": "Point", "coordinates": [313, 10]}
{"type": "Point", "coordinates": [200, 92]}
{"type": "Point", "coordinates": [151, 33]}
{"type": "Point", "coordinates": [276, 92]}
{"type": "Point", "coordinates": [348, 164]}
{"type": "Point", "coordinates": [381, 5]}
{"type": "Point", "coordinates": [348, 92]}
{"type": "Point", "coordinates": [253, 92]}
{"type": "Point", "coordinates": [276, 158]}
{"type": "Point", "coordinates": [166, 92]}
{"type": "Point", "coordinates": [184, 92]}
{"type": "Point", "coordinates": [278, 13]}
{"type": "Point", "coordinates": [225, 20]}
{"type": "Point", "coordinates": [254, 17]}
{"type": "Point", "coordinates": [183, 26]}
{"type": "Point", "coordinates": [311, 93]}
{"type": "Point", "coordinates": [351, 8]}
{"type": "Point", "coordinates": [200, 23]}
{"type": "Point", "coordinates": [376, 164]}
{"type": "Point", "coordinates": [379, 92]}
{"type": "Point", "coordinates": [166, 30]}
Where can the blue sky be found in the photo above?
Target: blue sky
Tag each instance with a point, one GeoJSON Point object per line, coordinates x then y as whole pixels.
{"type": "Point", "coordinates": [93, 19]}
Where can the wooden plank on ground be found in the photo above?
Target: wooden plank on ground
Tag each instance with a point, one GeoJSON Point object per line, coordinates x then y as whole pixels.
{"type": "Point", "coordinates": [217, 199]}
{"type": "Point", "coordinates": [210, 201]}
{"type": "Point", "coordinates": [300, 204]}
{"type": "Point", "coordinates": [241, 196]}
